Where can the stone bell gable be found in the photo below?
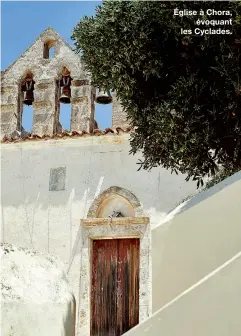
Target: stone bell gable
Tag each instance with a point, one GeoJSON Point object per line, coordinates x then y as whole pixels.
{"type": "Point", "coordinates": [34, 79]}
{"type": "Point", "coordinates": [46, 72]}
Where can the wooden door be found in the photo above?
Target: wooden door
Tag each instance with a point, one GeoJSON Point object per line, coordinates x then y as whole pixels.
{"type": "Point", "coordinates": [115, 286]}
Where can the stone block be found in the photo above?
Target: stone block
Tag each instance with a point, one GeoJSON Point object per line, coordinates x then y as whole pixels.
{"type": "Point", "coordinates": [8, 108]}
{"type": "Point", "coordinates": [5, 129]}
{"type": "Point", "coordinates": [42, 129]}
{"type": "Point", "coordinates": [5, 90]}
{"type": "Point", "coordinates": [81, 91]}
{"type": "Point", "coordinates": [78, 82]}
{"type": "Point", "coordinates": [42, 105]}
{"type": "Point", "coordinates": [57, 179]}
{"type": "Point", "coordinates": [119, 117]}
{"type": "Point", "coordinates": [43, 86]}
{"type": "Point", "coordinates": [6, 117]}
{"type": "Point", "coordinates": [80, 100]}
{"type": "Point", "coordinates": [42, 118]}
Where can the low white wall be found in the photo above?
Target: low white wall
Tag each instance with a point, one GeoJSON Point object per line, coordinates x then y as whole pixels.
{"type": "Point", "coordinates": [35, 296]}
{"type": "Point", "coordinates": [28, 319]}
{"type": "Point", "coordinates": [211, 309]}
{"type": "Point", "coordinates": [196, 241]}
{"type": "Point", "coordinates": [196, 267]}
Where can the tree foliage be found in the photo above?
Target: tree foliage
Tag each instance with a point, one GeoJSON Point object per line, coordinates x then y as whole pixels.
{"type": "Point", "coordinates": [181, 92]}
{"type": "Point", "coordinates": [221, 175]}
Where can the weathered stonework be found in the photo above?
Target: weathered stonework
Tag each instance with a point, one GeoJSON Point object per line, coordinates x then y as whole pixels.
{"type": "Point", "coordinates": [43, 86]}
{"type": "Point", "coordinates": [41, 105]}
{"type": "Point", "coordinates": [119, 118]}
{"type": "Point", "coordinates": [7, 89]}
{"type": "Point", "coordinates": [6, 116]}
{"type": "Point", "coordinates": [80, 82]}
{"type": "Point", "coordinates": [115, 191]}
{"type": "Point", "coordinates": [82, 109]}
{"type": "Point", "coordinates": [45, 74]}
{"type": "Point", "coordinates": [7, 108]}
{"type": "Point", "coordinates": [91, 222]}
{"type": "Point", "coordinates": [81, 100]}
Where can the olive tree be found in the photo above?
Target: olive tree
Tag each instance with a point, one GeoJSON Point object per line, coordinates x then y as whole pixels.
{"type": "Point", "coordinates": [181, 90]}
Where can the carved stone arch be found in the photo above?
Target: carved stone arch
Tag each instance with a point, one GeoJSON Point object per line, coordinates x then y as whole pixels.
{"type": "Point", "coordinates": [115, 199]}
{"type": "Point", "coordinates": [98, 227]}
{"type": "Point", "coordinates": [61, 69]}
{"type": "Point", "coordinates": [24, 73]}
{"type": "Point", "coordinates": [48, 43]}
{"type": "Point", "coordinates": [73, 69]}
{"type": "Point", "coordinates": [27, 72]}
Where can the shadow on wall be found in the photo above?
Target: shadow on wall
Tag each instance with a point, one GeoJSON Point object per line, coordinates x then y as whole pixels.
{"type": "Point", "coordinates": [210, 192]}
{"type": "Point", "coordinates": [53, 171]}
{"type": "Point", "coordinates": [201, 196]}
{"type": "Point", "coordinates": [69, 320]}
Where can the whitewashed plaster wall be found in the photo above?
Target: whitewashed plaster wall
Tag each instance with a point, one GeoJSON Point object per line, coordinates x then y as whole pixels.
{"type": "Point", "coordinates": [36, 298]}
{"type": "Point", "coordinates": [35, 217]}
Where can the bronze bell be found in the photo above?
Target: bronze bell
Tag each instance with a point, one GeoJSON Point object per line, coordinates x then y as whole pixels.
{"type": "Point", "coordinates": [103, 97]}
{"type": "Point", "coordinates": [28, 98]}
{"type": "Point", "coordinates": [65, 95]}
{"type": "Point", "coordinates": [27, 88]}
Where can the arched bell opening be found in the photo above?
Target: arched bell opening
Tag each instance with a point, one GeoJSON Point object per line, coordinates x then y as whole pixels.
{"type": "Point", "coordinates": [48, 49]}
{"type": "Point", "coordinates": [63, 101]}
{"type": "Point", "coordinates": [27, 87]}
{"type": "Point", "coordinates": [65, 86]}
{"type": "Point", "coordinates": [25, 105]}
{"type": "Point", "coordinates": [103, 109]}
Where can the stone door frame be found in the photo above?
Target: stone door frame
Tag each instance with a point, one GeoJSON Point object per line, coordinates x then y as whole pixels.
{"type": "Point", "coordinates": [114, 228]}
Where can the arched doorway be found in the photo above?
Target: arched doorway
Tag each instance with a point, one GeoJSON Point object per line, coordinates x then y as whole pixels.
{"type": "Point", "coordinates": [117, 236]}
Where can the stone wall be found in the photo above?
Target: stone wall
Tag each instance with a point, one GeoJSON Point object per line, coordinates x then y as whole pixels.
{"type": "Point", "coordinates": [119, 118]}
{"type": "Point", "coordinates": [45, 74]}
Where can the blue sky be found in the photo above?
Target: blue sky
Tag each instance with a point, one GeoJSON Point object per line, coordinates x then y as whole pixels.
{"type": "Point", "coordinates": [23, 21]}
